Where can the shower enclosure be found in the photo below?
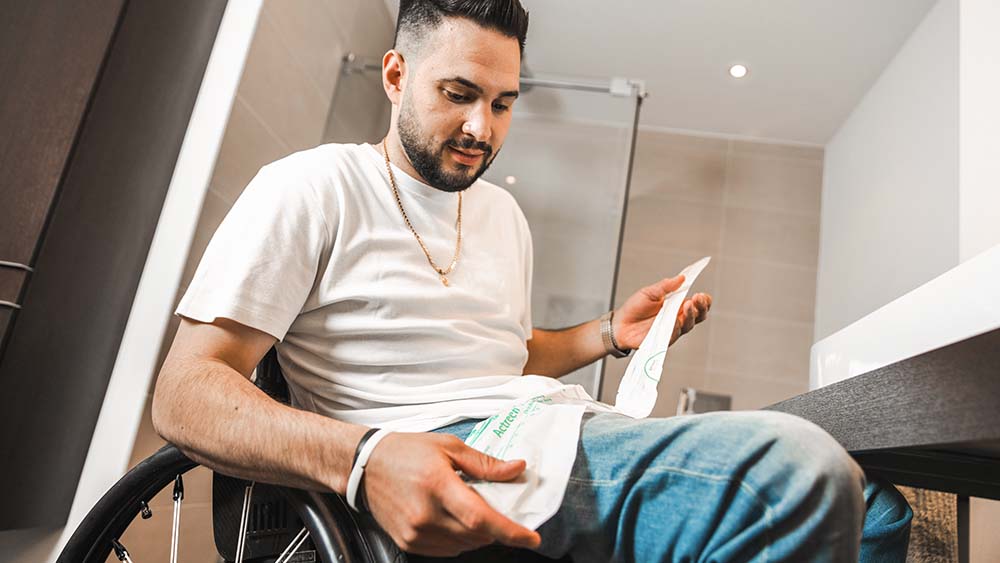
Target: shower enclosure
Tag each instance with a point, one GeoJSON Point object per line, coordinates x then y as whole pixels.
{"type": "Point", "coordinates": [567, 159]}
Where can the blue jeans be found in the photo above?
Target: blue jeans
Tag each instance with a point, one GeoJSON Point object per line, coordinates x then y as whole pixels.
{"type": "Point", "coordinates": [729, 486]}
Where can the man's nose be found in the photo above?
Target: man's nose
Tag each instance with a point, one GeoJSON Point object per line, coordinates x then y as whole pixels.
{"type": "Point", "coordinates": [479, 122]}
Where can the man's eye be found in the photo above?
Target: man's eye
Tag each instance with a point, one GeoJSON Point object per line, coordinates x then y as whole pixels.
{"type": "Point", "coordinates": [455, 97]}
{"type": "Point", "coordinates": [500, 108]}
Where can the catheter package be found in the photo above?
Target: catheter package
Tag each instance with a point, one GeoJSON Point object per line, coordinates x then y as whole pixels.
{"type": "Point", "coordinates": [544, 430]}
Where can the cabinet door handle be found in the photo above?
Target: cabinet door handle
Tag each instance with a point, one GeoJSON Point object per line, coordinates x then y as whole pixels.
{"type": "Point", "coordinates": [9, 304]}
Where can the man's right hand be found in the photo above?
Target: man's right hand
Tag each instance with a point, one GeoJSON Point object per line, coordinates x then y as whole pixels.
{"type": "Point", "coordinates": [415, 494]}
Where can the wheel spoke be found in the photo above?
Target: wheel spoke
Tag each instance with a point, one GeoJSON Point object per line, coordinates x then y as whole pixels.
{"type": "Point", "coordinates": [120, 552]}
{"type": "Point", "coordinates": [244, 519]}
{"type": "Point", "coordinates": [175, 529]}
{"type": "Point", "coordinates": [294, 546]}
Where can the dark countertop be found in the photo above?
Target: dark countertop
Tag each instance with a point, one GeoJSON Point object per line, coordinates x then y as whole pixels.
{"type": "Point", "coordinates": [930, 421]}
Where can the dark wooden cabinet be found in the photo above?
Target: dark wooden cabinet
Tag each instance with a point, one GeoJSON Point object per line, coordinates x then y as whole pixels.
{"type": "Point", "coordinates": [51, 53]}
{"type": "Point", "coordinates": [95, 98]}
{"type": "Point", "coordinates": [5, 316]}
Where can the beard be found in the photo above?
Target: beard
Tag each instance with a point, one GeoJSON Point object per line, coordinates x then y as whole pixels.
{"type": "Point", "coordinates": [428, 159]}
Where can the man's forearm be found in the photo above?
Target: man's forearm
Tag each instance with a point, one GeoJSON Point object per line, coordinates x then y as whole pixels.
{"type": "Point", "coordinates": [220, 419]}
{"type": "Point", "coordinates": [557, 352]}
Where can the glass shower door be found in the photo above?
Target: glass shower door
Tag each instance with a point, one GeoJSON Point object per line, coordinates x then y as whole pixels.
{"type": "Point", "coordinates": [566, 160]}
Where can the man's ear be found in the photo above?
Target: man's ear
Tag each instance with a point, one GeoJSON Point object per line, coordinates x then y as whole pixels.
{"type": "Point", "coordinates": [394, 72]}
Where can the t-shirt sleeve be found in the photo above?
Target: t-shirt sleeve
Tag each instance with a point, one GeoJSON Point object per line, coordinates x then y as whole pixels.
{"type": "Point", "coordinates": [262, 261]}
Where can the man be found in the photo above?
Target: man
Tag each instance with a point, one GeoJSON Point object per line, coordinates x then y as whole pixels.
{"type": "Point", "coordinates": [395, 285]}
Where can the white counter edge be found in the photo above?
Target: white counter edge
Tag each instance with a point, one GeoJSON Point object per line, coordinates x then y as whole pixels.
{"type": "Point", "coordinates": [961, 303]}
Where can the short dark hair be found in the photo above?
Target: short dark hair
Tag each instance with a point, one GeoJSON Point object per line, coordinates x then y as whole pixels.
{"type": "Point", "coordinates": [417, 18]}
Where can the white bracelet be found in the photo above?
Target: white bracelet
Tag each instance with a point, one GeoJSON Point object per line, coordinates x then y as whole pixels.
{"type": "Point", "coordinates": [359, 466]}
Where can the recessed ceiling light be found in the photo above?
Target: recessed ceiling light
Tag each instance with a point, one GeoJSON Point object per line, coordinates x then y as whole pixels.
{"type": "Point", "coordinates": [737, 71]}
{"type": "Point", "coordinates": [510, 180]}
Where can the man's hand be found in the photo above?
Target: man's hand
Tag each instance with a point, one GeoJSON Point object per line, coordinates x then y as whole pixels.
{"type": "Point", "coordinates": [633, 320]}
{"type": "Point", "coordinates": [415, 494]}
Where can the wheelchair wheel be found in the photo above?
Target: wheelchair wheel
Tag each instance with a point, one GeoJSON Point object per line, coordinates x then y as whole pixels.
{"type": "Point", "coordinates": [99, 533]}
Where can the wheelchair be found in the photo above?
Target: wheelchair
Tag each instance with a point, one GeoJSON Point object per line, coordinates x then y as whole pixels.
{"type": "Point", "coordinates": [253, 522]}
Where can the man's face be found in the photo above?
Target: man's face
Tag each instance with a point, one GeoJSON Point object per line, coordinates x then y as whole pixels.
{"type": "Point", "coordinates": [456, 105]}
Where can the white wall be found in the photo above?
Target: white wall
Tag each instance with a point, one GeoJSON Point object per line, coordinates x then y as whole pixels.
{"type": "Point", "coordinates": [889, 219]}
{"type": "Point", "coordinates": [912, 183]}
{"type": "Point", "coordinates": [979, 115]}
{"type": "Point", "coordinates": [979, 187]}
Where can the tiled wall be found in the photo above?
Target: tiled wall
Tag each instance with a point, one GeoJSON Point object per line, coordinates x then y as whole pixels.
{"type": "Point", "coordinates": [282, 106]}
{"type": "Point", "coordinates": [754, 207]}
{"type": "Point", "coordinates": [569, 183]}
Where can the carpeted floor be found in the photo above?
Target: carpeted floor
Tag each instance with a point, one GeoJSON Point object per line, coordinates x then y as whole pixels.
{"type": "Point", "coordinates": [934, 534]}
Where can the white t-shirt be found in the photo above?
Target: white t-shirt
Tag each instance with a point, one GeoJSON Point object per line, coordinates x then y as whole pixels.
{"type": "Point", "coordinates": [315, 253]}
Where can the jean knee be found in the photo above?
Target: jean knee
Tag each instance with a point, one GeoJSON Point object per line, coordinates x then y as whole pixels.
{"type": "Point", "coordinates": [817, 466]}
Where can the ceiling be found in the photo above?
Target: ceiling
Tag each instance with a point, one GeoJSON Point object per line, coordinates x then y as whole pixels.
{"type": "Point", "coordinates": [810, 61]}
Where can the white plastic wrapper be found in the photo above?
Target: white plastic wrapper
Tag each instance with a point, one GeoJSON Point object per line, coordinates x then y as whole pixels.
{"type": "Point", "coordinates": [637, 390]}
{"type": "Point", "coordinates": [545, 430]}
{"type": "Point", "coordinates": [545, 435]}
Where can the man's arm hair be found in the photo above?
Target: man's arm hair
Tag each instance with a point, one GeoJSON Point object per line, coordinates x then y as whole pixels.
{"type": "Point", "coordinates": [206, 405]}
{"type": "Point", "coordinates": [557, 352]}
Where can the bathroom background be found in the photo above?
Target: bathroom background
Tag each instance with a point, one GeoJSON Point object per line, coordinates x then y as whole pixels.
{"type": "Point", "coordinates": [837, 150]}
{"type": "Point", "coordinates": [727, 168]}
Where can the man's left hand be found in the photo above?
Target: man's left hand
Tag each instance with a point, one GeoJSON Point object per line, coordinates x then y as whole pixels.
{"type": "Point", "coordinates": [634, 318]}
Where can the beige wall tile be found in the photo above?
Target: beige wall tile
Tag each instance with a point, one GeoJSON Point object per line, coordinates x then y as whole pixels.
{"type": "Point", "coordinates": [752, 393]}
{"type": "Point", "coordinates": [342, 12]}
{"type": "Point", "coordinates": [674, 225]}
{"type": "Point", "coordinates": [762, 202]}
{"type": "Point", "coordinates": [555, 162]}
{"type": "Point", "coordinates": [765, 290]}
{"type": "Point", "coordinates": [674, 378]}
{"type": "Point", "coordinates": [213, 211]}
{"type": "Point", "coordinates": [311, 34]}
{"type": "Point", "coordinates": [774, 184]}
{"type": "Point", "coordinates": [679, 167]}
{"type": "Point", "coordinates": [573, 272]}
{"type": "Point", "coordinates": [551, 200]}
{"type": "Point", "coordinates": [984, 543]}
{"type": "Point", "coordinates": [247, 145]}
{"type": "Point", "coordinates": [692, 349]}
{"type": "Point", "coordinates": [771, 236]}
{"type": "Point", "coordinates": [556, 309]}
{"type": "Point", "coordinates": [279, 90]}
{"type": "Point", "coordinates": [614, 369]}
{"type": "Point", "coordinates": [371, 30]}
{"type": "Point", "coordinates": [760, 347]}
{"type": "Point", "coordinates": [642, 266]}
{"type": "Point", "coordinates": [775, 150]}
{"type": "Point", "coordinates": [357, 113]}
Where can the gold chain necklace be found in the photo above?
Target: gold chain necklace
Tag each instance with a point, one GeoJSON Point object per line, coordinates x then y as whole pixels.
{"type": "Point", "coordinates": [442, 272]}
